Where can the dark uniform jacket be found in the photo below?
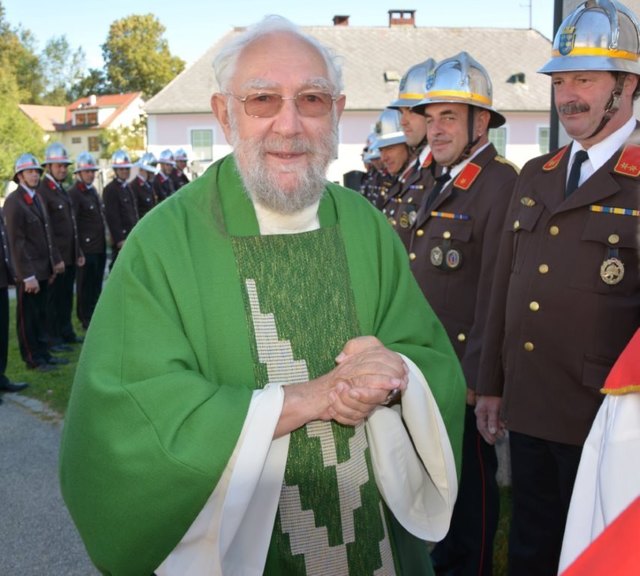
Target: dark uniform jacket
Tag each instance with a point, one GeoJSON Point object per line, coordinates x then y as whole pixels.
{"type": "Point", "coordinates": [402, 214]}
{"type": "Point", "coordinates": [30, 243]}
{"type": "Point", "coordinates": [120, 209]}
{"type": "Point", "coordinates": [162, 186]}
{"type": "Point", "coordinates": [7, 275]}
{"type": "Point", "coordinates": [453, 251]}
{"type": "Point", "coordinates": [566, 297]}
{"type": "Point", "coordinates": [144, 194]}
{"type": "Point", "coordinates": [179, 178]}
{"type": "Point", "coordinates": [89, 213]}
{"type": "Point", "coordinates": [62, 220]}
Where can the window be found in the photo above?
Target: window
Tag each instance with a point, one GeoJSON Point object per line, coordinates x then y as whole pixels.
{"type": "Point", "coordinates": [94, 144]}
{"type": "Point", "coordinates": [543, 139]}
{"type": "Point", "coordinates": [202, 145]}
{"type": "Point", "coordinates": [92, 118]}
{"type": "Point", "coordinates": [498, 137]}
{"type": "Point", "coordinates": [81, 118]}
{"type": "Point", "coordinates": [76, 140]}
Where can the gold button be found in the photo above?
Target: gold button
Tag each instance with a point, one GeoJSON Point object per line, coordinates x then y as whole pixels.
{"type": "Point", "coordinates": [420, 232]}
{"type": "Point", "coordinates": [554, 230]}
{"type": "Point", "coordinates": [410, 200]}
{"type": "Point", "coordinates": [534, 306]}
{"type": "Point", "coordinates": [528, 346]}
{"type": "Point", "coordinates": [543, 268]}
{"type": "Point", "coordinates": [614, 239]}
{"type": "Point", "coordinates": [412, 256]}
{"type": "Point", "coordinates": [462, 337]}
{"type": "Point", "coordinates": [516, 225]}
{"type": "Point", "coordinates": [446, 235]}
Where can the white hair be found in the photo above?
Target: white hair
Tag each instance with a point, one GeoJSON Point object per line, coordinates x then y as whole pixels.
{"type": "Point", "coordinates": [224, 64]}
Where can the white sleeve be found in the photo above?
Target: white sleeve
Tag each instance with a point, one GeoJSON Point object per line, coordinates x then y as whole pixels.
{"type": "Point", "coordinates": [413, 460]}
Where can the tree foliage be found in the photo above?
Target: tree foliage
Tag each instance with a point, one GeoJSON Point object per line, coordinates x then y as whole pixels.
{"type": "Point", "coordinates": [137, 57]}
{"type": "Point", "coordinates": [93, 82]}
{"type": "Point", "coordinates": [131, 138]}
{"type": "Point", "coordinates": [63, 68]}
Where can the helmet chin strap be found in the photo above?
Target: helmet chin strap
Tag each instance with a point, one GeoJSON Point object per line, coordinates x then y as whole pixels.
{"type": "Point", "coordinates": [471, 142]}
{"type": "Point", "coordinates": [612, 105]}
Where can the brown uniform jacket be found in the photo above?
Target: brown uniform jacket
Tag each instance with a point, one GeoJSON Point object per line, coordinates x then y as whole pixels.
{"type": "Point", "coordinates": [62, 220]}
{"type": "Point", "coordinates": [7, 275]}
{"type": "Point", "coordinates": [89, 213]}
{"type": "Point", "coordinates": [179, 179]}
{"type": "Point", "coordinates": [163, 187]}
{"type": "Point", "coordinates": [556, 326]}
{"type": "Point", "coordinates": [144, 195]}
{"type": "Point", "coordinates": [120, 209]}
{"type": "Point", "coordinates": [454, 247]}
{"type": "Point", "coordinates": [30, 242]}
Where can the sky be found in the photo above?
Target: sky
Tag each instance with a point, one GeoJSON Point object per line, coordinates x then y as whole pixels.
{"type": "Point", "coordinates": [192, 26]}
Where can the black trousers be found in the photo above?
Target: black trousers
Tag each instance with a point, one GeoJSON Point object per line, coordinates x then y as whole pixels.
{"type": "Point", "coordinates": [4, 333]}
{"type": "Point", "coordinates": [468, 547]}
{"type": "Point", "coordinates": [60, 307]}
{"type": "Point", "coordinates": [31, 321]}
{"type": "Point", "coordinates": [89, 286]}
{"type": "Point", "coordinates": [543, 473]}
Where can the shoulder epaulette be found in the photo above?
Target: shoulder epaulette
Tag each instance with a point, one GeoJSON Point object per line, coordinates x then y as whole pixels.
{"type": "Point", "coordinates": [467, 177]}
{"type": "Point", "coordinates": [428, 160]}
{"type": "Point", "coordinates": [553, 163]}
{"type": "Point", "coordinates": [503, 160]}
{"type": "Point", "coordinates": [629, 161]}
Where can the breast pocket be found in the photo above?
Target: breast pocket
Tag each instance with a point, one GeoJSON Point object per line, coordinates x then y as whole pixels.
{"type": "Point", "coordinates": [448, 243]}
{"type": "Point", "coordinates": [608, 259]}
{"type": "Point", "coordinates": [521, 224]}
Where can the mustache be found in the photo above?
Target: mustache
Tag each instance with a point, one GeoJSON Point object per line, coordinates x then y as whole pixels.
{"type": "Point", "coordinates": [573, 108]}
{"type": "Point", "coordinates": [284, 145]}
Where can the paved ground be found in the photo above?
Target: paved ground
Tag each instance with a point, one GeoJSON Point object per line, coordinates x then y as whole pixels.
{"type": "Point", "coordinates": [37, 537]}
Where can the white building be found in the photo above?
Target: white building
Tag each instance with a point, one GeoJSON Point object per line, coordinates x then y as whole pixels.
{"type": "Point", "coordinates": [374, 60]}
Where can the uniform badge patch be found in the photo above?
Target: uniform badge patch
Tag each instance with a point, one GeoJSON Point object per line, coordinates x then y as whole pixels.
{"type": "Point", "coordinates": [436, 256]}
{"type": "Point", "coordinates": [567, 40]}
{"type": "Point", "coordinates": [454, 259]}
{"type": "Point", "coordinates": [612, 271]}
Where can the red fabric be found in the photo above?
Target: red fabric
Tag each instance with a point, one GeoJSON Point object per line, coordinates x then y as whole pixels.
{"type": "Point", "coordinates": [625, 373]}
{"type": "Point", "coordinates": [617, 550]}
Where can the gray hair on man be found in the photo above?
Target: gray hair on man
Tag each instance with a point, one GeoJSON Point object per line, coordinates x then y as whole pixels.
{"type": "Point", "coordinates": [224, 63]}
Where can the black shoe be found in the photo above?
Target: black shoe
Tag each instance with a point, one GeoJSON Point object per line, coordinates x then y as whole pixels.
{"type": "Point", "coordinates": [9, 386]}
{"type": "Point", "coordinates": [44, 367]}
{"type": "Point", "coordinates": [60, 348]}
{"type": "Point", "coordinates": [59, 361]}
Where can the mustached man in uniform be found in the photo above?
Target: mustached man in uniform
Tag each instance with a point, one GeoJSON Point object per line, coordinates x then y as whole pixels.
{"type": "Point", "coordinates": [566, 294]}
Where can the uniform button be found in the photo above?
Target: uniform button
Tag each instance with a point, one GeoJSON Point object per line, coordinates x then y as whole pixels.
{"type": "Point", "coordinates": [614, 239]}
{"type": "Point", "coordinates": [446, 235]}
{"type": "Point", "coordinates": [554, 230]}
{"type": "Point", "coordinates": [420, 232]}
{"type": "Point", "coordinates": [412, 256]}
{"type": "Point", "coordinates": [516, 225]}
{"type": "Point", "coordinates": [462, 337]}
{"type": "Point", "coordinates": [534, 306]}
{"type": "Point", "coordinates": [528, 346]}
{"type": "Point", "coordinates": [409, 200]}
{"type": "Point", "coordinates": [543, 268]}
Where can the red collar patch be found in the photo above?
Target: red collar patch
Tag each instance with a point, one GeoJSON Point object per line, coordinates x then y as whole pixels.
{"type": "Point", "coordinates": [629, 161]}
{"type": "Point", "coordinates": [553, 163]}
{"type": "Point", "coordinates": [467, 177]}
{"type": "Point", "coordinates": [427, 161]}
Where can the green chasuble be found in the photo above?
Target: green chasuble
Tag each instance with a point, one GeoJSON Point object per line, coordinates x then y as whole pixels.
{"type": "Point", "coordinates": [193, 319]}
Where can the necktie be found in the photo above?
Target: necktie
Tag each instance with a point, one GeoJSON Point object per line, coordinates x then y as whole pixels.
{"type": "Point", "coordinates": [435, 191]}
{"type": "Point", "coordinates": [574, 176]}
{"type": "Point", "coordinates": [38, 205]}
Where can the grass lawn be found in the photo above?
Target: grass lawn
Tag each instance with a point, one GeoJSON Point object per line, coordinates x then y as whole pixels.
{"type": "Point", "coordinates": [52, 388]}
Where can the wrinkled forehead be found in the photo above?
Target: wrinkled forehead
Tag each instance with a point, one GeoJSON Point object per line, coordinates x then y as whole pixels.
{"type": "Point", "coordinates": [282, 62]}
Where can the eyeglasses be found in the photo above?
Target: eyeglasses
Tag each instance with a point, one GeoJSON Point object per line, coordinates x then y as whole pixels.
{"type": "Point", "coordinates": [267, 104]}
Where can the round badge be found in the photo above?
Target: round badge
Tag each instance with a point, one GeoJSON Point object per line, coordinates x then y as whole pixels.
{"type": "Point", "coordinates": [612, 271]}
{"type": "Point", "coordinates": [436, 256]}
{"type": "Point", "coordinates": [405, 220]}
{"type": "Point", "coordinates": [454, 259]}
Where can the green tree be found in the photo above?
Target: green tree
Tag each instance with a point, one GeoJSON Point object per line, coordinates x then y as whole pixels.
{"type": "Point", "coordinates": [18, 133]}
{"type": "Point", "coordinates": [63, 67]}
{"type": "Point", "coordinates": [93, 82]}
{"type": "Point", "coordinates": [137, 57]}
{"type": "Point", "coordinates": [18, 56]}
{"type": "Point", "coordinates": [131, 138]}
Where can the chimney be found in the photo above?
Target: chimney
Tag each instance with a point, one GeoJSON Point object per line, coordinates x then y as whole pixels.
{"type": "Point", "coordinates": [402, 18]}
{"type": "Point", "coordinates": [340, 20]}
{"type": "Point", "coordinates": [92, 100]}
